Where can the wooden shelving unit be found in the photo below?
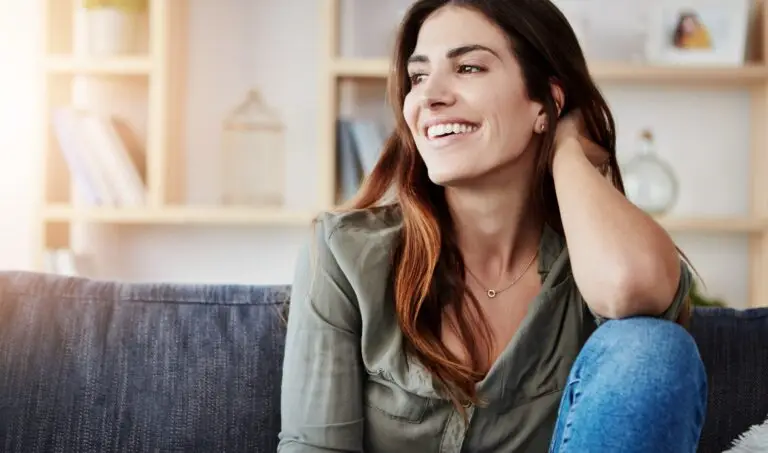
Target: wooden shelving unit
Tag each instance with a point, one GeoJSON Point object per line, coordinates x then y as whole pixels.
{"type": "Point", "coordinates": [159, 68]}
{"type": "Point", "coordinates": [753, 77]}
{"type": "Point", "coordinates": [154, 69]}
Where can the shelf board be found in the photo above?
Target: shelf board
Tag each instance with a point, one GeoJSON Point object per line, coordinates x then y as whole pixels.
{"type": "Point", "coordinates": [128, 65]}
{"type": "Point", "coordinates": [601, 71]}
{"type": "Point", "coordinates": [353, 68]}
{"type": "Point", "coordinates": [639, 73]}
{"type": "Point", "coordinates": [213, 215]}
{"type": "Point", "coordinates": [180, 215]}
{"type": "Point", "coordinates": [713, 224]}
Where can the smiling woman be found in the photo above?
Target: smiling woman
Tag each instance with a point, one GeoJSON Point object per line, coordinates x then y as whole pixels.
{"type": "Point", "coordinates": [450, 87]}
{"type": "Point", "coordinates": [510, 298]}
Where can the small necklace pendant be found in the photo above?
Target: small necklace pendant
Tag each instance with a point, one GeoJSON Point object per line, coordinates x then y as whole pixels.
{"type": "Point", "coordinates": [491, 294]}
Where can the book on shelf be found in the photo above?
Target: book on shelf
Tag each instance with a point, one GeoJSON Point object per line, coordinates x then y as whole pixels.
{"type": "Point", "coordinates": [358, 148]}
{"type": "Point", "coordinates": [61, 261]}
{"type": "Point", "coordinates": [104, 159]}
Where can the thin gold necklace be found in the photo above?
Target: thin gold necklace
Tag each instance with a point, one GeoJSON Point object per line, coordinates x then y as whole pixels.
{"type": "Point", "coordinates": [491, 293]}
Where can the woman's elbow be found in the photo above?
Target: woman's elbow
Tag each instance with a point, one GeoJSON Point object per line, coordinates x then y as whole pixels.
{"type": "Point", "coordinates": [637, 290]}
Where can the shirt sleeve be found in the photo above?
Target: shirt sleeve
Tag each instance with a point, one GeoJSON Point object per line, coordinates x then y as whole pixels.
{"type": "Point", "coordinates": [680, 304]}
{"type": "Point", "coordinates": [678, 309]}
{"type": "Point", "coordinates": [322, 384]}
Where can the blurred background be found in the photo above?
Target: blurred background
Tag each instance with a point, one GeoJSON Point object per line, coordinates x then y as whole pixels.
{"type": "Point", "coordinates": [193, 140]}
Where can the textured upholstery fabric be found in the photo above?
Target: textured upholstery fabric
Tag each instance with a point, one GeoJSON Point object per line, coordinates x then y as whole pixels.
{"type": "Point", "coordinates": [105, 367]}
{"type": "Point", "coordinates": [734, 347]}
{"type": "Point", "coordinates": [93, 366]}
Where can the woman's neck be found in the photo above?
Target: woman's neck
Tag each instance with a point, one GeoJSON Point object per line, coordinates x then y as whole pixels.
{"type": "Point", "coordinates": [496, 228]}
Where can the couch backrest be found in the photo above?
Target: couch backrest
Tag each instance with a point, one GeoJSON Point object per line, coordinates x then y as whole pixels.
{"type": "Point", "coordinates": [107, 366]}
{"type": "Point", "coordinates": [734, 347]}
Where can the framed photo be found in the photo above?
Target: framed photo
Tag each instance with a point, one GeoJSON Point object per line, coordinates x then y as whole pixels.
{"type": "Point", "coordinates": [698, 32]}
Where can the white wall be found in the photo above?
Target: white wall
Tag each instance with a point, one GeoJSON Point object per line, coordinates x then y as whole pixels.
{"type": "Point", "coordinates": [237, 44]}
{"type": "Point", "coordinates": [19, 41]}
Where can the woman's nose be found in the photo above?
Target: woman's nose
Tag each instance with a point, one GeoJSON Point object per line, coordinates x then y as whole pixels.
{"type": "Point", "coordinates": [437, 92]}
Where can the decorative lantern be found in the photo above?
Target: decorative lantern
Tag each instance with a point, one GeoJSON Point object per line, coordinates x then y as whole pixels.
{"type": "Point", "coordinates": [253, 159]}
{"type": "Point", "coordinates": [649, 181]}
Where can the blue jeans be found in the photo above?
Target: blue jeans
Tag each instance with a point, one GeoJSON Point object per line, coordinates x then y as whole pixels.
{"type": "Point", "coordinates": [638, 385]}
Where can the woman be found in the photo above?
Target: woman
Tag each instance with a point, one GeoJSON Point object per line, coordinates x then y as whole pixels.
{"type": "Point", "coordinates": [453, 317]}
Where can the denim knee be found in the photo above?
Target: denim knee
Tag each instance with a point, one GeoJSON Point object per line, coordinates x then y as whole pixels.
{"type": "Point", "coordinates": [636, 349]}
{"type": "Point", "coordinates": [638, 384]}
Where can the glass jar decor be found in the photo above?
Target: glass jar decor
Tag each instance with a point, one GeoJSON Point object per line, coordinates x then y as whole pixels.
{"type": "Point", "coordinates": [649, 181]}
{"type": "Point", "coordinates": [108, 27]}
{"type": "Point", "coordinates": [253, 158]}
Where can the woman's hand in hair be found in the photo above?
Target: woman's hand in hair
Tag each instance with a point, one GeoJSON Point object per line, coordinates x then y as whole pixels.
{"type": "Point", "coordinates": [624, 263]}
{"type": "Point", "coordinates": [571, 127]}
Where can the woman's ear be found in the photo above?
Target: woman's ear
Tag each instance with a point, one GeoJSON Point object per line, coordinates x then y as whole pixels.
{"type": "Point", "coordinates": [558, 95]}
{"type": "Point", "coordinates": [542, 121]}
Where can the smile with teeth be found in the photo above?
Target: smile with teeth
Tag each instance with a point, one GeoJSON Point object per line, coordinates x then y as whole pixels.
{"type": "Point", "coordinates": [441, 130]}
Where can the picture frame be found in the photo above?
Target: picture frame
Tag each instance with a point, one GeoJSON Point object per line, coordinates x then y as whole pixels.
{"type": "Point", "coordinates": [698, 32]}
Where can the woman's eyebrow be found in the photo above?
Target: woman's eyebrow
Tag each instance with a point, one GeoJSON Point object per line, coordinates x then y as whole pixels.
{"type": "Point", "coordinates": [455, 52]}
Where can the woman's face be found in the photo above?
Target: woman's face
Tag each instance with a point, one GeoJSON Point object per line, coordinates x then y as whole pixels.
{"type": "Point", "coordinates": [468, 109]}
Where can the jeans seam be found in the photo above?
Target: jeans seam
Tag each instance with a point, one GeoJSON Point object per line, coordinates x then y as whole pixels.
{"type": "Point", "coordinates": [566, 434]}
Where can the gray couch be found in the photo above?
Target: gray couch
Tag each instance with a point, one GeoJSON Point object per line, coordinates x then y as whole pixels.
{"type": "Point", "coordinates": [96, 366]}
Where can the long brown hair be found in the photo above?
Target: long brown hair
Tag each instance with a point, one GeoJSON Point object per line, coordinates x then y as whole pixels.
{"type": "Point", "coordinates": [428, 268]}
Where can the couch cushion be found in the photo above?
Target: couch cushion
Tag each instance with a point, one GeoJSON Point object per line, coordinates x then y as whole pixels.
{"type": "Point", "coordinates": [107, 367]}
{"type": "Point", "coordinates": [734, 347]}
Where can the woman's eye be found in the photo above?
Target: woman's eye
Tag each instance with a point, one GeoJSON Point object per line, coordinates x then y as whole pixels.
{"type": "Point", "coordinates": [469, 69]}
{"type": "Point", "coordinates": [417, 78]}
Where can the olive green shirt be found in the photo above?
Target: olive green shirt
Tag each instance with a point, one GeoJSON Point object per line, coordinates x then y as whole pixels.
{"type": "Point", "coordinates": [349, 387]}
